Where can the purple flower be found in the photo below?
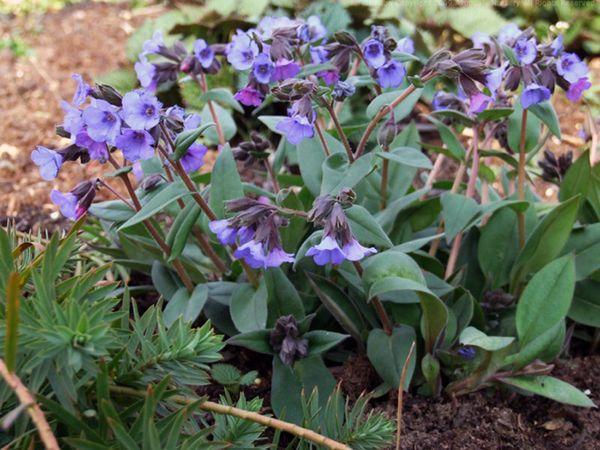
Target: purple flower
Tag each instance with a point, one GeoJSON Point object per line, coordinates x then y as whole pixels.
{"type": "Point", "coordinates": [508, 33]}
{"type": "Point", "coordinates": [571, 68]}
{"type": "Point", "coordinates": [82, 91]}
{"type": "Point", "coordinates": [97, 150]}
{"type": "Point", "coordinates": [534, 94]}
{"type": "Point", "coordinates": [557, 45]}
{"type": "Point", "coordinates": [355, 252]}
{"type": "Point", "coordinates": [241, 51]}
{"type": "Point", "coordinates": [284, 69]}
{"type": "Point", "coordinates": [576, 89]}
{"type": "Point", "coordinates": [373, 52]}
{"type": "Point", "coordinates": [329, 76]}
{"type": "Point", "coordinates": [153, 45]}
{"type": "Point", "coordinates": [391, 74]}
{"type": "Point", "coordinates": [494, 79]}
{"type": "Point", "coordinates": [73, 121]}
{"type": "Point", "coordinates": [249, 96]}
{"type": "Point", "coordinates": [296, 128]}
{"type": "Point", "coordinates": [276, 257]}
{"type": "Point", "coordinates": [146, 74]}
{"type": "Point", "coordinates": [326, 252]}
{"type": "Point", "coordinates": [225, 233]}
{"type": "Point", "coordinates": [467, 352]}
{"type": "Point", "coordinates": [191, 122]}
{"type": "Point", "coordinates": [479, 102]}
{"type": "Point", "coordinates": [312, 30]}
{"type": "Point", "coordinates": [66, 202]}
{"type": "Point", "coordinates": [480, 39]}
{"type": "Point", "coordinates": [48, 162]}
{"type": "Point", "coordinates": [245, 234]}
{"type": "Point", "coordinates": [252, 253]}
{"type": "Point", "coordinates": [406, 45]}
{"type": "Point", "coordinates": [102, 120]}
{"type": "Point", "coordinates": [138, 170]}
{"type": "Point", "coordinates": [204, 53]}
{"type": "Point", "coordinates": [526, 50]}
{"type": "Point", "coordinates": [141, 110]}
{"type": "Point", "coordinates": [318, 54]}
{"type": "Point", "coordinates": [136, 144]}
{"type": "Point", "coordinates": [193, 158]}
{"type": "Point", "coordinates": [342, 90]}
{"type": "Point", "coordinates": [263, 68]}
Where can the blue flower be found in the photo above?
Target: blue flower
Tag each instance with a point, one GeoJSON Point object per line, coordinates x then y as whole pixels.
{"type": "Point", "coordinates": [318, 54]}
{"type": "Point", "coordinates": [576, 89]}
{"type": "Point", "coordinates": [373, 53]}
{"type": "Point", "coordinates": [204, 53]}
{"type": "Point", "coordinates": [342, 90]}
{"type": "Point", "coordinates": [97, 150]}
{"type": "Point", "coordinates": [141, 110]}
{"type": "Point", "coordinates": [193, 159]}
{"type": "Point", "coordinates": [249, 96]}
{"type": "Point", "coordinates": [534, 94]}
{"type": "Point", "coordinates": [526, 50]}
{"type": "Point", "coordinates": [153, 45]}
{"type": "Point", "coordinates": [508, 33]}
{"type": "Point", "coordinates": [191, 121]}
{"type": "Point", "coordinates": [241, 51]}
{"type": "Point", "coordinates": [296, 128]}
{"type": "Point", "coordinates": [136, 144]}
{"type": "Point", "coordinates": [478, 102]}
{"type": "Point", "coordinates": [226, 234]}
{"type": "Point", "coordinates": [405, 45]}
{"type": "Point", "coordinates": [102, 120]}
{"type": "Point", "coordinates": [391, 74]}
{"type": "Point", "coordinates": [494, 79]}
{"type": "Point", "coordinates": [467, 352]}
{"type": "Point", "coordinates": [146, 74]}
{"type": "Point", "coordinates": [557, 45]}
{"type": "Point", "coordinates": [82, 91]}
{"type": "Point", "coordinates": [263, 68]}
{"type": "Point", "coordinates": [571, 68]}
{"type": "Point", "coordinates": [252, 253]}
{"type": "Point", "coordinates": [73, 121]}
{"type": "Point", "coordinates": [276, 257]}
{"type": "Point", "coordinates": [245, 234]}
{"type": "Point", "coordinates": [355, 252]}
{"type": "Point", "coordinates": [66, 202]}
{"type": "Point", "coordinates": [480, 39]}
{"type": "Point", "coordinates": [48, 162]}
{"type": "Point", "coordinates": [328, 251]}
{"type": "Point", "coordinates": [312, 30]}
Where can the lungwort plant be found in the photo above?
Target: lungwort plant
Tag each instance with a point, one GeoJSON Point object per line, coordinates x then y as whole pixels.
{"type": "Point", "coordinates": [328, 224]}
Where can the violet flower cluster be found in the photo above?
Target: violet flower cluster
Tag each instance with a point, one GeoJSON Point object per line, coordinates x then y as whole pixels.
{"type": "Point", "coordinates": [99, 121]}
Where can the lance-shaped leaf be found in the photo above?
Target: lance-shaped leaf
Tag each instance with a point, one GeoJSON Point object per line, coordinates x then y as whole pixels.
{"type": "Point", "coordinates": [225, 181]}
{"type": "Point", "coordinates": [551, 388]}
{"type": "Point", "coordinates": [185, 139]}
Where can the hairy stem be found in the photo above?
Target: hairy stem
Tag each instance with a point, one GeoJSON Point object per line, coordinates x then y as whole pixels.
{"type": "Point", "coordinates": [272, 174]}
{"type": "Point", "coordinates": [521, 177]}
{"type": "Point", "coordinates": [384, 179]}
{"type": "Point", "coordinates": [322, 138]}
{"type": "Point", "coordinates": [28, 401]}
{"type": "Point", "coordinates": [385, 320]}
{"type": "Point", "coordinates": [204, 87]}
{"type": "Point", "coordinates": [340, 131]}
{"type": "Point", "coordinates": [266, 421]}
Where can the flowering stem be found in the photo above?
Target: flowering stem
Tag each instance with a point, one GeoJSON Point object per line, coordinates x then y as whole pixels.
{"type": "Point", "coordinates": [521, 177]}
{"type": "Point", "coordinates": [384, 179]}
{"type": "Point", "coordinates": [379, 308]}
{"type": "Point", "coordinates": [340, 131]}
{"type": "Point", "coordinates": [28, 402]}
{"type": "Point", "coordinates": [204, 87]}
{"type": "Point", "coordinates": [338, 105]}
{"type": "Point", "coordinates": [266, 421]}
{"type": "Point", "coordinates": [115, 193]}
{"type": "Point", "coordinates": [470, 193]}
{"type": "Point", "coordinates": [189, 285]}
{"type": "Point", "coordinates": [322, 138]}
{"type": "Point", "coordinates": [272, 175]}
{"type": "Point", "coordinates": [379, 116]}
{"type": "Point", "coordinates": [202, 241]}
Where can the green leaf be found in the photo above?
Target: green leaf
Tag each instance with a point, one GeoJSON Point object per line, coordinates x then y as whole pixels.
{"type": "Point", "coordinates": [585, 308]}
{"type": "Point", "coordinates": [433, 320]}
{"type": "Point", "coordinates": [186, 305]}
{"type": "Point", "coordinates": [536, 348]}
{"type": "Point", "coordinates": [391, 263]}
{"type": "Point", "coordinates": [546, 299]}
{"type": "Point", "coordinates": [365, 228]}
{"type": "Point", "coordinates": [514, 130]}
{"type": "Point", "coordinates": [546, 241]}
{"type": "Point", "coordinates": [551, 388]}
{"type": "Point", "coordinates": [283, 298]}
{"type": "Point", "coordinates": [320, 341]}
{"type": "Point", "coordinates": [408, 156]}
{"type": "Point", "coordinates": [388, 354]}
{"type": "Point", "coordinates": [475, 18]}
{"type": "Point", "coordinates": [225, 181]}
{"type": "Point", "coordinates": [457, 211]}
{"type": "Point", "coordinates": [454, 146]}
{"type": "Point", "coordinates": [577, 178]}
{"type": "Point", "coordinates": [311, 157]}
{"type": "Point", "coordinates": [181, 229]}
{"type": "Point", "coordinates": [338, 173]}
{"type": "Point", "coordinates": [111, 211]}
{"type": "Point", "coordinates": [401, 111]}
{"type": "Point", "coordinates": [248, 307]}
{"type": "Point", "coordinates": [164, 281]}
{"type": "Point", "coordinates": [172, 192]}
{"type": "Point", "coordinates": [222, 96]}
{"type": "Point", "coordinates": [227, 124]}
{"type": "Point", "coordinates": [396, 284]}
{"type": "Point", "coordinates": [494, 114]}
{"type": "Point", "coordinates": [454, 115]}
{"type": "Point", "coordinates": [185, 139]}
{"type": "Point", "coordinates": [257, 341]}
{"type": "Point", "coordinates": [11, 337]}
{"type": "Point", "coordinates": [545, 112]}
{"type": "Point", "coordinates": [472, 336]}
